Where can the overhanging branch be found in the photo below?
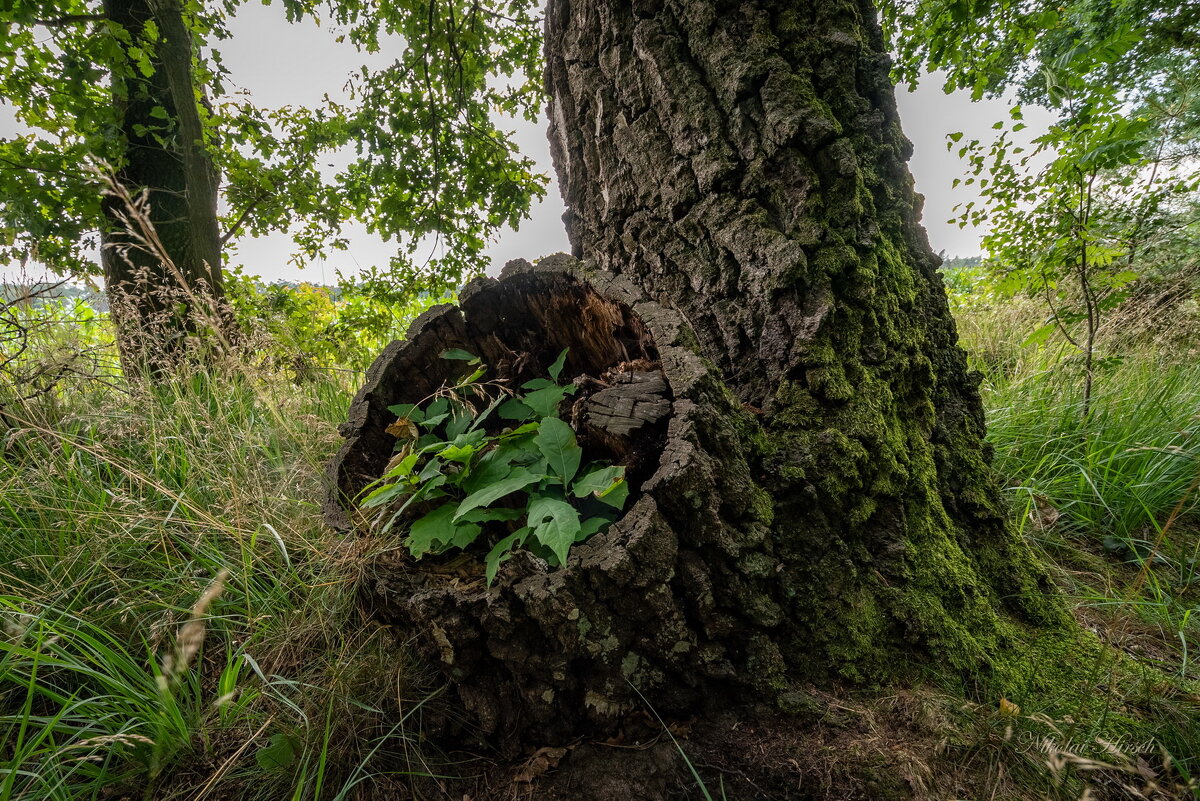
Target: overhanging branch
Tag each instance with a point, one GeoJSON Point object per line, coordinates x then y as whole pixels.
{"type": "Point", "coordinates": [69, 19]}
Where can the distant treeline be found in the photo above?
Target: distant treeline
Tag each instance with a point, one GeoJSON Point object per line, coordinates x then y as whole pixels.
{"type": "Point", "coordinates": [39, 292]}
{"type": "Point", "coordinates": [959, 262]}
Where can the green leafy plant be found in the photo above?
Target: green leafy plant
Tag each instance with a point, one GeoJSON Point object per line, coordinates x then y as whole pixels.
{"type": "Point", "coordinates": [1073, 220]}
{"type": "Point", "coordinates": [478, 459]}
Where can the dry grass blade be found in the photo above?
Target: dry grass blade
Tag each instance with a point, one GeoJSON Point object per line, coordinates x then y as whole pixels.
{"type": "Point", "coordinates": [191, 636]}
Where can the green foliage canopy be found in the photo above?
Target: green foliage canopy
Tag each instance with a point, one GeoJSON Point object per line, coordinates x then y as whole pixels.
{"type": "Point", "coordinates": [987, 46]}
{"type": "Point", "coordinates": [1072, 215]}
{"type": "Point", "coordinates": [428, 165]}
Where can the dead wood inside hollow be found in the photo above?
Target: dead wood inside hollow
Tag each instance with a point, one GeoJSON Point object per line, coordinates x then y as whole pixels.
{"type": "Point", "coordinates": [517, 326]}
{"type": "Point", "coordinates": [653, 604]}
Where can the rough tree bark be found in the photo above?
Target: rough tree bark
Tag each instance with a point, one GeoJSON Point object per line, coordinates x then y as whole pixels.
{"type": "Point", "coordinates": [821, 509]}
{"type": "Point", "coordinates": [162, 262]}
{"type": "Point", "coordinates": [751, 174]}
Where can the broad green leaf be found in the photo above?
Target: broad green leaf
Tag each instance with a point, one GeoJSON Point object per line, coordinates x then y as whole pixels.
{"type": "Point", "coordinates": [409, 410]}
{"type": "Point", "coordinates": [463, 447]}
{"type": "Point", "coordinates": [557, 368]}
{"type": "Point", "coordinates": [520, 431]}
{"type": "Point", "coordinates": [555, 524]}
{"type": "Point", "coordinates": [501, 551]}
{"type": "Point", "coordinates": [556, 441]}
{"type": "Point", "coordinates": [279, 752]}
{"type": "Point", "coordinates": [405, 466]}
{"type": "Point", "coordinates": [514, 409]}
{"type": "Point", "coordinates": [597, 481]}
{"type": "Point", "coordinates": [465, 533]}
{"type": "Point", "coordinates": [458, 453]}
{"type": "Point", "coordinates": [493, 466]}
{"type": "Point", "coordinates": [429, 490]}
{"type": "Point", "coordinates": [1122, 278]}
{"type": "Point", "coordinates": [492, 515]}
{"type": "Point", "coordinates": [496, 464]}
{"type": "Point", "coordinates": [486, 413]}
{"type": "Point", "coordinates": [1040, 336]}
{"type": "Point", "coordinates": [518, 479]}
{"type": "Point", "coordinates": [616, 495]}
{"type": "Point", "coordinates": [544, 402]}
{"type": "Point", "coordinates": [460, 421]}
{"type": "Point", "coordinates": [429, 441]}
{"type": "Point", "coordinates": [385, 494]}
{"type": "Point", "coordinates": [459, 355]}
{"type": "Point", "coordinates": [437, 531]}
{"type": "Point", "coordinates": [593, 525]}
{"type": "Point", "coordinates": [431, 469]}
{"type": "Point", "coordinates": [434, 420]}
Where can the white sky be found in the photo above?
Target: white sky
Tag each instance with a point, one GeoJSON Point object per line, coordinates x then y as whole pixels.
{"type": "Point", "coordinates": [282, 64]}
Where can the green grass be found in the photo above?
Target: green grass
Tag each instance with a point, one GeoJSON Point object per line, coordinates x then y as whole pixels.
{"type": "Point", "coordinates": [117, 513]}
{"type": "Point", "coordinates": [1117, 472]}
{"type": "Point", "coordinates": [1111, 493]}
{"type": "Point", "coordinates": [176, 622]}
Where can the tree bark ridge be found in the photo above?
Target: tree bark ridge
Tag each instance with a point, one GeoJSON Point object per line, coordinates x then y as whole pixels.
{"type": "Point", "coordinates": [742, 162]}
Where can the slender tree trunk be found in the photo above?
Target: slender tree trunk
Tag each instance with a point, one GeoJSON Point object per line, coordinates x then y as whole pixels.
{"type": "Point", "coordinates": [819, 508]}
{"type": "Point", "coordinates": [161, 250]}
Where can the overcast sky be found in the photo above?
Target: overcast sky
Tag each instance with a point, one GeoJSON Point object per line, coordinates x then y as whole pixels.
{"type": "Point", "coordinates": [282, 64]}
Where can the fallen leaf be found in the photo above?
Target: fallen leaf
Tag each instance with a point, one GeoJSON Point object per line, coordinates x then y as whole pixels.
{"type": "Point", "coordinates": [1008, 709]}
{"type": "Point", "coordinates": [403, 428]}
{"type": "Point", "coordinates": [681, 729]}
{"type": "Point", "coordinates": [1043, 515]}
{"type": "Point", "coordinates": [543, 759]}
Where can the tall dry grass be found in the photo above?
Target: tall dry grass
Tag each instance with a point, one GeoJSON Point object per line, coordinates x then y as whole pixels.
{"type": "Point", "coordinates": [123, 509]}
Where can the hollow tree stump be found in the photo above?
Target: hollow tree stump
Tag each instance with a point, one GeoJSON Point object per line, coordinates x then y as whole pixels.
{"type": "Point", "coordinates": [678, 600]}
{"type": "Point", "coordinates": [816, 505]}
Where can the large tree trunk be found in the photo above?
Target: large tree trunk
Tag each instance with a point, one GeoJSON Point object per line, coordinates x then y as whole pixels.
{"type": "Point", "coordinates": [820, 508]}
{"type": "Point", "coordinates": [161, 251]}
{"type": "Point", "coordinates": [751, 174]}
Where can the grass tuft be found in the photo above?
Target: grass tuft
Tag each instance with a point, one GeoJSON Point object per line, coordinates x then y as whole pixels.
{"type": "Point", "coordinates": [177, 622]}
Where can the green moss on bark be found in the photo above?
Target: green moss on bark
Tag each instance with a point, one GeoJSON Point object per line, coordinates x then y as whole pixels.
{"type": "Point", "coordinates": [760, 189]}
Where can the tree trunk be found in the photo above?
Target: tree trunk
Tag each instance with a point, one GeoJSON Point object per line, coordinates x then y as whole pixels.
{"type": "Point", "coordinates": [820, 509]}
{"type": "Point", "coordinates": [161, 252]}
{"type": "Point", "coordinates": [752, 175]}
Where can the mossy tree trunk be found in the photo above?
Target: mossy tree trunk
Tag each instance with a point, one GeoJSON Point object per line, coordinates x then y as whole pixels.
{"type": "Point", "coordinates": [161, 257]}
{"type": "Point", "coordinates": [822, 508]}
{"type": "Point", "coordinates": [743, 162]}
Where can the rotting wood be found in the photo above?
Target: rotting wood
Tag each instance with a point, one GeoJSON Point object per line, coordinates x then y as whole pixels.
{"type": "Point", "coordinates": [649, 604]}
